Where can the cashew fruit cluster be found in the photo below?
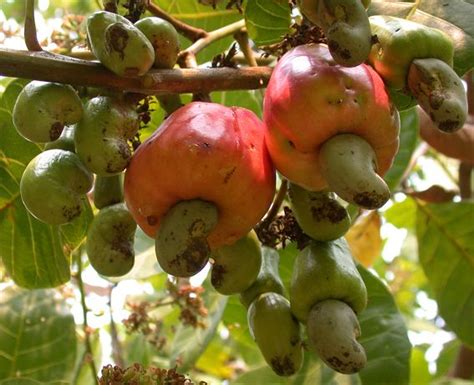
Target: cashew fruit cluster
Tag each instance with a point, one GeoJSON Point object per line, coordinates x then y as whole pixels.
{"type": "Point", "coordinates": [331, 127]}
{"type": "Point", "coordinates": [129, 49]}
{"type": "Point", "coordinates": [346, 26]}
{"type": "Point", "coordinates": [417, 60]}
{"type": "Point", "coordinates": [213, 180]}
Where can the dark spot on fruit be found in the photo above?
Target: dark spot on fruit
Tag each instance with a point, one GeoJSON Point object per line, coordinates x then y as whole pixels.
{"type": "Point", "coordinates": [55, 131]}
{"type": "Point", "coordinates": [116, 39]}
{"type": "Point", "coordinates": [229, 174]}
{"type": "Point", "coordinates": [283, 366]}
{"type": "Point", "coordinates": [291, 144]}
{"type": "Point", "coordinates": [370, 200]}
{"type": "Point", "coordinates": [218, 275]}
{"type": "Point", "coordinates": [449, 125]}
{"type": "Point", "coordinates": [346, 354]}
{"type": "Point", "coordinates": [151, 220]}
{"type": "Point", "coordinates": [329, 210]}
{"type": "Point", "coordinates": [69, 213]}
{"type": "Point", "coordinates": [334, 47]}
{"type": "Point", "coordinates": [197, 228]}
{"type": "Point", "coordinates": [192, 259]}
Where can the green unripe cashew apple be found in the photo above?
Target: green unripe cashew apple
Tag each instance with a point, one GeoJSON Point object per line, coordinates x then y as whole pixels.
{"type": "Point", "coordinates": [53, 185]}
{"type": "Point", "coordinates": [101, 135]}
{"type": "Point", "coordinates": [268, 278]}
{"type": "Point", "coordinates": [333, 330]}
{"type": "Point", "coordinates": [276, 332]}
{"type": "Point", "coordinates": [318, 213]}
{"type": "Point", "coordinates": [346, 26]}
{"type": "Point", "coordinates": [417, 60]}
{"type": "Point", "coordinates": [109, 244]}
{"type": "Point", "coordinates": [119, 45]}
{"type": "Point", "coordinates": [326, 271]}
{"type": "Point", "coordinates": [164, 39]}
{"type": "Point", "coordinates": [310, 101]}
{"type": "Point", "coordinates": [108, 190]}
{"type": "Point", "coordinates": [236, 266]}
{"type": "Point", "coordinates": [64, 142]}
{"type": "Point", "coordinates": [43, 109]}
{"type": "Point", "coordinates": [208, 157]}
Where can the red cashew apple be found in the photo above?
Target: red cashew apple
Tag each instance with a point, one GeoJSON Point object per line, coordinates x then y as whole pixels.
{"type": "Point", "coordinates": [208, 153]}
{"type": "Point", "coordinates": [329, 125]}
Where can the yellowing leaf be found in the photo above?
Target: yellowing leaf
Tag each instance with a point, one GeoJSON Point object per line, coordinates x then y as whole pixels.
{"type": "Point", "coordinates": [364, 238]}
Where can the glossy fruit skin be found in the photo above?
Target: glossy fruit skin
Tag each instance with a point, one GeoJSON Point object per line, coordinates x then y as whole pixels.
{"type": "Point", "coordinates": [325, 270]}
{"type": "Point", "coordinates": [43, 109]}
{"type": "Point", "coordinates": [203, 151]}
{"type": "Point", "coordinates": [236, 266]}
{"type": "Point", "coordinates": [163, 37]}
{"type": "Point", "coordinates": [268, 278]}
{"type": "Point", "coordinates": [108, 190]}
{"type": "Point", "coordinates": [53, 185]}
{"type": "Point", "coordinates": [101, 135]}
{"type": "Point", "coordinates": [276, 332]}
{"type": "Point", "coordinates": [109, 243]}
{"type": "Point", "coordinates": [119, 45]}
{"type": "Point", "coordinates": [399, 42]}
{"type": "Point", "coordinates": [310, 99]}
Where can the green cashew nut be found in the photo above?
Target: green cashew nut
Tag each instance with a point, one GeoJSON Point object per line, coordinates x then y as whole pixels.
{"type": "Point", "coordinates": [164, 39]}
{"type": "Point", "coordinates": [64, 142]}
{"type": "Point", "coordinates": [333, 329]}
{"type": "Point", "coordinates": [53, 185]}
{"type": "Point", "coordinates": [346, 26]}
{"type": "Point", "coordinates": [43, 109]}
{"type": "Point", "coordinates": [109, 244]}
{"type": "Point", "coordinates": [119, 45]}
{"type": "Point", "coordinates": [101, 136]}
{"type": "Point", "coordinates": [399, 42]}
{"type": "Point", "coordinates": [325, 270]}
{"type": "Point", "coordinates": [108, 190]}
{"type": "Point", "coordinates": [440, 92]}
{"type": "Point", "coordinates": [268, 278]}
{"type": "Point", "coordinates": [318, 213]}
{"type": "Point", "coordinates": [276, 332]}
{"type": "Point", "coordinates": [349, 165]}
{"type": "Point", "coordinates": [181, 243]}
{"type": "Point", "coordinates": [236, 266]}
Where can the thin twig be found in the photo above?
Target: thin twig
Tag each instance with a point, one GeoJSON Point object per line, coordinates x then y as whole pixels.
{"type": "Point", "coordinates": [31, 39]}
{"type": "Point", "coordinates": [276, 205]}
{"type": "Point", "coordinates": [188, 31]}
{"type": "Point", "coordinates": [90, 355]}
{"type": "Point", "coordinates": [55, 68]}
{"type": "Point", "coordinates": [242, 38]}
{"type": "Point", "coordinates": [465, 188]}
{"type": "Point", "coordinates": [117, 352]}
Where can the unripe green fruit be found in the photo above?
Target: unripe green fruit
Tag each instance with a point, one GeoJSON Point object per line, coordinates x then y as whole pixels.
{"type": "Point", "coordinates": [276, 332]}
{"type": "Point", "coordinates": [53, 185]}
{"type": "Point", "coordinates": [268, 278]}
{"type": "Point", "coordinates": [43, 109]}
{"type": "Point", "coordinates": [119, 45]}
{"type": "Point", "coordinates": [64, 142]}
{"type": "Point", "coordinates": [101, 136]}
{"type": "Point", "coordinates": [318, 213]}
{"type": "Point", "coordinates": [325, 270]}
{"type": "Point", "coordinates": [164, 39]}
{"type": "Point", "coordinates": [346, 26]}
{"type": "Point", "coordinates": [109, 244]}
{"type": "Point", "coordinates": [399, 42]}
{"type": "Point", "coordinates": [236, 266]}
{"type": "Point", "coordinates": [108, 190]}
{"type": "Point", "coordinates": [333, 329]}
{"type": "Point", "coordinates": [181, 243]}
{"type": "Point", "coordinates": [349, 165]}
{"type": "Point", "coordinates": [440, 92]}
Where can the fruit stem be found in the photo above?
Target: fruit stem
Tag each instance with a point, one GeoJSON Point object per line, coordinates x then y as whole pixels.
{"type": "Point", "coordinates": [349, 165]}
{"type": "Point", "coordinates": [31, 40]}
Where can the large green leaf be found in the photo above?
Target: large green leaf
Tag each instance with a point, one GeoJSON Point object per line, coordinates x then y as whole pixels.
{"type": "Point", "coordinates": [37, 335]}
{"type": "Point", "coordinates": [408, 139]}
{"type": "Point", "coordinates": [446, 250]}
{"type": "Point", "coordinates": [384, 336]}
{"type": "Point", "coordinates": [453, 17]}
{"type": "Point", "coordinates": [267, 21]}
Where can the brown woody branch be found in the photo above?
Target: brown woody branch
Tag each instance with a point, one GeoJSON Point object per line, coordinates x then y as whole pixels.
{"type": "Point", "coordinates": [57, 68]}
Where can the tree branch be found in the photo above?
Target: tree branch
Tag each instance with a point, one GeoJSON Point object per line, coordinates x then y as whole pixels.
{"type": "Point", "coordinates": [56, 68]}
{"type": "Point", "coordinates": [31, 40]}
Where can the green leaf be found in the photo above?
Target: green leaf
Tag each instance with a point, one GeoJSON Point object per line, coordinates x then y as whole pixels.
{"type": "Point", "coordinates": [454, 17]}
{"type": "Point", "coordinates": [409, 124]}
{"type": "Point", "coordinates": [446, 250]}
{"type": "Point", "coordinates": [267, 21]}
{"type": "Point", "coordinates": [37, 335]}
{"type": "Point", "coordinates": [402, 214]}
{"type": "Point", "coordinates": [419, 373]}
{"type": "Point", "coordinates": [189, 343]}
{"type": "Point", "coordinates": [384, 336]}
{"type": "Point", "coordinates": [252, 99]}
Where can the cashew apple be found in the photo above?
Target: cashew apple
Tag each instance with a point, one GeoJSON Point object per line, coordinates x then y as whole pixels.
{"type": "Point", "coordinates": [108, 190]}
